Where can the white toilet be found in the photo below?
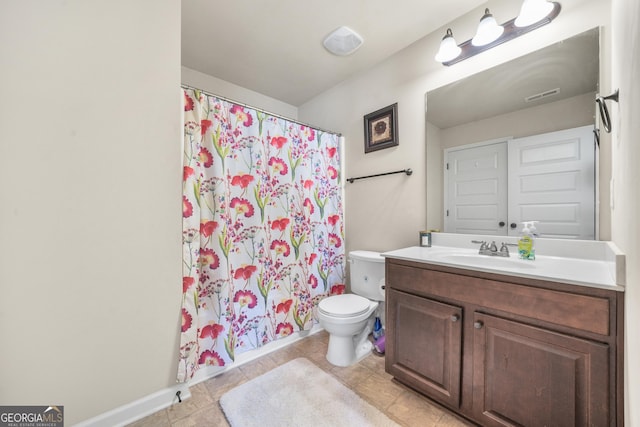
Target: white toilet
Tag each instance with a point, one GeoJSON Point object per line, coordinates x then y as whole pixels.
{"type": "Point", "coordinates": [349, 318]}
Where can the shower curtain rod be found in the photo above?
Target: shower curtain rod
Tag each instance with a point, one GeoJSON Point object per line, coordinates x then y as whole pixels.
{"type": "Point", "coordinates": [260, 109]}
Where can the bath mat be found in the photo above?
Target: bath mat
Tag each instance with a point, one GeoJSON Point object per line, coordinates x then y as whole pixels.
{"type": "Point", "coordinates": [298, 393]}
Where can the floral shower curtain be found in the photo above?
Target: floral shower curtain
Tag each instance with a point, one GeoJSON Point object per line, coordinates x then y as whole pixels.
{"type": "Point", "coordinates": [262, 229]}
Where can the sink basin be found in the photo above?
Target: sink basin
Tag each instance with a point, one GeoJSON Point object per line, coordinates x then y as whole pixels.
{"type": "Point", "coordinates": [601, 267]}
{"type": "Point", "coordinates": [487, 261]}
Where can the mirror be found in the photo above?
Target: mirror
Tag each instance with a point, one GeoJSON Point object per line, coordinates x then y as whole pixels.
{"type": "Point", "coordinates": [548, 90]}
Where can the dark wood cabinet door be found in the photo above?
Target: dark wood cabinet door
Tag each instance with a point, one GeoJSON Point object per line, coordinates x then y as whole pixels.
{"type": "Point", "coordinates": [424, 345]}
{"type": "Point", "coordinates": [528, 376]}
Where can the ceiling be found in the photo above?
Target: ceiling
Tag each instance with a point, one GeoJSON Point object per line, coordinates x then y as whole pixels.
{"type": "Point", "coordinates": [274, 47]}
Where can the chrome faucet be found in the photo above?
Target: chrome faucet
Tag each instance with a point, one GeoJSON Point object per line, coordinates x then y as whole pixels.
{"type": "Point", "coordinates": [484, 247]}
{"type": "Point", "coordinates": [504, 249]}
{"type": "Point", "coordinates": [491, 249]}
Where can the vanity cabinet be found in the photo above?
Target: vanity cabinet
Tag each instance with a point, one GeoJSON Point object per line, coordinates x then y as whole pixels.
{"type": "Point", "coordinates": [504, 350]}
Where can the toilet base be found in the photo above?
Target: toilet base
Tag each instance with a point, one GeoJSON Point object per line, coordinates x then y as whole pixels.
{"type": "Point", "coordinates": [347, 350]}
{"type": "Point", "coordinates": [342, 352]}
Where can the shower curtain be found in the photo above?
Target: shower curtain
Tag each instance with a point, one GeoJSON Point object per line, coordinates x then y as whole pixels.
{"type": "Point", "coordinates": [262, 229]}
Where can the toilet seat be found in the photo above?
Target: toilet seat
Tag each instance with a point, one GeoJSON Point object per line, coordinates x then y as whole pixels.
{"type": "Point", "coordinates": [344, 306]}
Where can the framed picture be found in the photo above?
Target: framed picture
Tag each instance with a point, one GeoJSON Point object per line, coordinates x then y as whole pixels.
{"type": "Point", "coordinates": [381, 129]}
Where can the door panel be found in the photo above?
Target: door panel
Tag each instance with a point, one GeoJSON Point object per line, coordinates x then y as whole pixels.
{"type": "Point", "coordinates": [477, 190]}
{"type": "Point", "coordinates": [552, 180]}
{"type": "Point", "coordinates": [426, 348]}
{"type": "Point", "coordinates": [528, 376]}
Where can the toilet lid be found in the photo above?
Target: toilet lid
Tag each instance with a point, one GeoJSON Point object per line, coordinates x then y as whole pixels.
{"type": "Point", "coordinates": [345, 305]}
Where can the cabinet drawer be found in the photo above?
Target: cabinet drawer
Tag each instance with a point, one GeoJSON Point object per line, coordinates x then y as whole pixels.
{"type": "Point", "coordinates": [581, 312]}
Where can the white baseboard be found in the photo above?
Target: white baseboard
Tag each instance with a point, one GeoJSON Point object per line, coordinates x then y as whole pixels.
{"type": "Point", "coordinates": [138, 409]}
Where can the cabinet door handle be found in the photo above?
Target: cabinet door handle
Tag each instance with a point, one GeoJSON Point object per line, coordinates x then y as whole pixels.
{"type": "Point", "coordinates": [455, 317]}
{"type": "Point", "coordinates": [478, 324]}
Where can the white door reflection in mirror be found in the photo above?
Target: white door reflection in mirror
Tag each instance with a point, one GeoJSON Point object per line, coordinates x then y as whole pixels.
{"type": "Point", "coordinates": [492, 187]}
{"type": "Point", "coordinates": [552, 180]}
{"type": "Point", "coordinates": [476, 196]}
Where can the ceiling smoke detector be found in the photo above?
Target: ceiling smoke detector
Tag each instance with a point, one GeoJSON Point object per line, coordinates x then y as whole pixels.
{"type": "Point", "coordinates": [343, 41]}
{"type": "Point", "coordinates": [541, 95]}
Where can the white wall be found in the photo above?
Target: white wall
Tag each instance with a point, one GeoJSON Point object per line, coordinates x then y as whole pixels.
{"type": "Point", "coordinates": [435, 178]}
{"type": "Point", "coordinates": [565, 114]}
{"type": "Point", "coordinates": [626, 175]}
{"type": "Point", "coordinates": [90, 212]}
{"type": "Point", "coordinates": [387, 212]}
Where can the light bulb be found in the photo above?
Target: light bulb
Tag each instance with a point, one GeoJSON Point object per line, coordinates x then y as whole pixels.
{"type": "Point", "coordinates": [488, 30]}
{"type": "Point", "coordinates": [448, 48]}
{"type": "Point", "coordinates": [533, 11]}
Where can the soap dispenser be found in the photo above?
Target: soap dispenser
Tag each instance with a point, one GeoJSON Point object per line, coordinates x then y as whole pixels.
{"type": "Point", "coordinates": [526, 242]}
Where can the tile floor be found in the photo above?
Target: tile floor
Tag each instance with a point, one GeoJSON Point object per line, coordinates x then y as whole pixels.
{"type": "Point", "coordinates": [367, 378]}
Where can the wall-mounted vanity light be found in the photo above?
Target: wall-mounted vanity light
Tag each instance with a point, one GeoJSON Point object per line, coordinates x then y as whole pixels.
{"type": "Point", "coordinates": [533, 14]}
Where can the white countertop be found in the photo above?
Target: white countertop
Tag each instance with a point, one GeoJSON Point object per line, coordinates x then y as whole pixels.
{"type": "Point", "coordinates": [602, 265]}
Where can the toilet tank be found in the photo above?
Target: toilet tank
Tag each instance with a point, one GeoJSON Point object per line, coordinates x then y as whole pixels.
{"type": "Point", "coordinates": [367, 274]}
